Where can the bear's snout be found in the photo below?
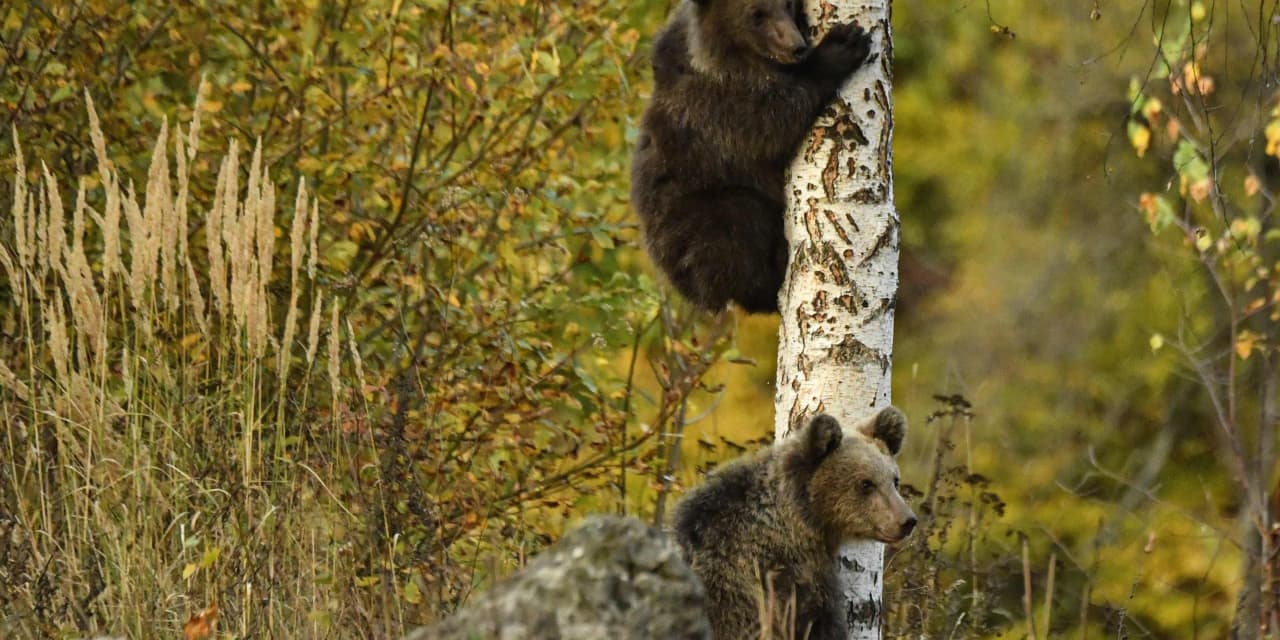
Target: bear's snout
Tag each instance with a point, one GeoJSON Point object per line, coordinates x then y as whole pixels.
{"type": "Point", "coordinates": [907, 527]}
{"type": "Point", "coordinates": [787, 43]}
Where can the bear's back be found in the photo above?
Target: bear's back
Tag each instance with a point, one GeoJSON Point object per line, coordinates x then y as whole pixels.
{"type": "Point", "coordinates": [722, 506]}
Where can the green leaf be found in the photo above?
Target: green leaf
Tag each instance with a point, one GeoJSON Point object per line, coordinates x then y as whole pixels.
{"type": "Point", "coordinates": [602, 238]}
{"type": "Point", "coordinates": [1188, 163]}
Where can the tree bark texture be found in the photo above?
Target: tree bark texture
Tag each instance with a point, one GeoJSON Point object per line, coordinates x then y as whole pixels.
{"type": "Point", "coordinates": [837, 303]}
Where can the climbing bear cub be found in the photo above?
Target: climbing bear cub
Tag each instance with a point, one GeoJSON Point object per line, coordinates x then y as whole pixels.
{"type": "Point", "coordinates": [772, 523]}
{"type": "Point", "coordinates": [736, 88]}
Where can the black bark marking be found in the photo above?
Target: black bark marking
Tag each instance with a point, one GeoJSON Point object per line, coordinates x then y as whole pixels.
{"type": "Point", "coordinates": [863, 614]}
{"type": "Point", "coordinates": [830, 173]}
{"type": "Point", "coordinates": [835, 224]}
{"type": "Point", "coordinates": [885, 305]}
{"type": "Point", "coordinates": [883, 240]}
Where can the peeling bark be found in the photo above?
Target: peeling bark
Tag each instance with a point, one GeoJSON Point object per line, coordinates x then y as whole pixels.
{"type": "Point", "coordinates": [836, 335]}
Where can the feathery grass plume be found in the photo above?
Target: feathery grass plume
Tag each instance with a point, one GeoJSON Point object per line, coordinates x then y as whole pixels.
{"type": "Point", "coordinates": [23, 232]}
{"type": "Point", "coordinates": [31, 215]}
{"type": "Point", "coordinates": [110, 221]}
{"type": "Point", "coordinates": [155, 215]}
{"type": "Point", "coordinates": [99, 142]}
{"type": "Point", "coordinates": [193, 134]}
{"type": "Point", "coordinates": [244, 267]}
{"type": "Point", "coordinates": [77, 218]}
{"type": "Point", "coordinates": [313, 331]}
{"type": "Point", "coordinates": [51, 227]}
{"type": "Point", "coordinates": [197, 300]}
{"type": "Point", "coordinates": [213, 239]}
{"type": "Point", "coordinates": [314, 232]}
{"type": "Point", "coordinates": [355, 356]}
{"type": "Point", "coordinates": [296, 232]}
{"type": "Point", "coordinates": [334, 351]}
{"type": "Point", "coordinates": [15, 268]}
{"type": "Point", "coordinates": [259, 328]}
{"type": "Point", "coordinates": [263, 221]}
{"type": "Point", "coordinates": [39, 234]}
{"type": "Point", "coordinates": [139, 274]}
{"type": "Point", "coordinates": [180, 202]}
{"type": "Point", "coordinates": [233, 239]}
{"type": "Point", "coordinates": [16, 279]}
{"type": "Point", "coordinates": [86, 304]}
{"type": "Point", "coordinates": [11, 382]}
{"type": "Point", "coordinates": [59, 346]}
{"type": "Point", "coordinates": [266, 223]}
{"type": "Point", "coordinates": [166, 226]}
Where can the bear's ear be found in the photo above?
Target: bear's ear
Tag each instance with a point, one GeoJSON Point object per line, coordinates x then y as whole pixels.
{"type": "Point", "coordinates": [889, 426]}
{"type": "Point", "coordinates": [823, 436]}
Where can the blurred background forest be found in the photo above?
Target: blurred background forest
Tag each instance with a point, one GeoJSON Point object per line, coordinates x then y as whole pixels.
{"type": "Point", "coordinates": [340, 412]}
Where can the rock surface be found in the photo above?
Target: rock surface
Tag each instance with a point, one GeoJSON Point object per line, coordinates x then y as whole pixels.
{"type": "Point", "coordinates": [612, 578]}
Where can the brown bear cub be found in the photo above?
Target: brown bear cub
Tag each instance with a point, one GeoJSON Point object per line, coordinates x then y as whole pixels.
{"type": "Point", "coordinates": [736, 89]}
{"type": "Point", "coordinates": [771, 523]}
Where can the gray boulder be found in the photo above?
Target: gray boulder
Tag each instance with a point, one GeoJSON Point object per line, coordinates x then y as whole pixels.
{"type": "Point", "coordinates": [612, 578]}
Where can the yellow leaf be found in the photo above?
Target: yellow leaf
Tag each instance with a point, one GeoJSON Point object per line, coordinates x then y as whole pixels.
{"type": "Point", "coordinates": [1244, 345]}
{"type": "Point", "coordinates": [412, 594]}
{"type": "Point", "coordinates": [190, 570]}
{"type": "Point", "coordinates": [1157, 341]}
{"type": "Point", "coordinates": [1273, 137]}
{"type": "Point", "coordinates": [1204, 240]}
{"type": "Point", "coordinates": [1246, 228]}
{"type": "Point", "coordinates": [368, 581]}
{"type": "Point", "coordinates": [240, 86]}
{"type": "Point", "coordinates": [212, 106]}
{"type": "Point", "coordinates": [1251, 185]}
{"type": "Point", "coordinates": [210, 557]}
{"type": "Point", "coordinates": [571, 330]}
{"type": "Point", "coordinates": [1151, 109]}
{"type": "Point", "coordinates": [1198, 11]}
{"type": "Point", "coordinates": [1139, 137]}
{"type": "Point", "coordinates": [1200, 189]}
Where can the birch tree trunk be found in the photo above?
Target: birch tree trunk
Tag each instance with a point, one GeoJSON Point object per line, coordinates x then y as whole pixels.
{"type": "Point", "coordinates": [836, 335]}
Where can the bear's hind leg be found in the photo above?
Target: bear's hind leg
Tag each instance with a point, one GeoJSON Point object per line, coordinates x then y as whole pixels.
{"type": "Point", "coordinates": [728, 244]}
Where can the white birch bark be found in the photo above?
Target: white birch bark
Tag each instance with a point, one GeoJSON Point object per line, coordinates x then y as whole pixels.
{"type": "Point", "coordinates": [836, 335]}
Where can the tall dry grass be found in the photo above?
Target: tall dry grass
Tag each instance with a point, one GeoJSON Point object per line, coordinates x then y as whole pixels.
{"type": "Point", "coordinates": [158, 455]}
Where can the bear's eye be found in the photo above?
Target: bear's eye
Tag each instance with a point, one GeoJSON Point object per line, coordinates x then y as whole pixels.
{"type": "Point", "coordinates": [759, 15]}
{"type": "Point", "coordinates": [868, 486]}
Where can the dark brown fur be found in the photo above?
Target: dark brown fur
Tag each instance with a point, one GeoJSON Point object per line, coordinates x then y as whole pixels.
{"type": "Point", "coordinates": [778, 518]}
{"type": "Point", "coordinates": [736, 88]}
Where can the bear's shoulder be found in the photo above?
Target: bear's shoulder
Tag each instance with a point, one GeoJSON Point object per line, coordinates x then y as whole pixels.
{"type": "Point", "coordinates": [724, 500]}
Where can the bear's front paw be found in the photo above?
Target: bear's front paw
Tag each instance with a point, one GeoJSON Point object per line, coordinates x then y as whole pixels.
{"type": "Point", "coordinates": [848, 46]}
